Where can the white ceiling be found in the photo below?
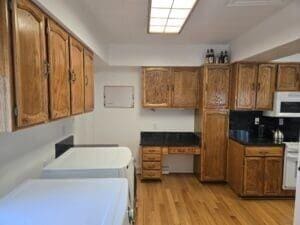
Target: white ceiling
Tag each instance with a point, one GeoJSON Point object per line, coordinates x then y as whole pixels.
{"type": "Point", "coordinates": [212, 21]}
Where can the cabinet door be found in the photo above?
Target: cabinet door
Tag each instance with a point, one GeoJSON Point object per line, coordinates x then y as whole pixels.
{"type": "Point", "coordinates": [265, 86]}
{"type": "Point", "coordinates": [288, 77]}
{"type": "Point", "coordinates": [77, 78]}
{"type": "Point", "coordinates": [254, 176]}
{"type": "Point", "coordinates": [216, 87]}
{"type": "Point", "coordinates": [89, 81]}
{"type": "Point", "coordinates": [156, 87]}
{"type": "Point", "coordinates": [273, 176]}
{"type": "Point", "coordinates": [29, 63]}
{"type": "Point", "coordinates": [59, 81]}
{"type": "Point", "coordinates": [246, 86]}
{"type": "Point", "coordinates": [185, 87]}
{"type": "Point", "coordinates": [215, 136]}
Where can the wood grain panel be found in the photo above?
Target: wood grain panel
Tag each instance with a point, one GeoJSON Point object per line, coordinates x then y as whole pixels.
{"type": "Point", "coordinates": [273, 176]}
{"type": "Point", "coordinates": [246, 86]}
{"type": "Point", "coordinates": [217, 87]}
{"type": "Point", "coordinates": [152, 165]}
{"type": "Point", "coordinates": [59, 80]}
{"type": "Point", "coordinates": [156, 87]}
{"type": "Point", "coordinates": [77, 77]}
{"type": "Point", "coordinates": [288, 77]}
{"type": "Point", "coordinates": [151, 174]}
{"type": "Point", "coordinates": [185, 87]}
{"type": "Point", "coordinates": [266, 83]}
{"type": "Point", "coordinates": [213, 155]}
{"type": "Point", "coordinates": [264, 151]}
{"type": "Point", "coordinates": [254, 176]}
{"type": "Point", "coordinates": [30, 63]}
{"type": "Point", "coordinates": [151, 157]}
{"type": "Point", "coordinates": [6, 73]}
{"type": "Point", "coordinates": [235, 166]}
{"type": "Point", "coordinates": [89, 81]}
{"type": "Point", "coordinates": [152, 150]}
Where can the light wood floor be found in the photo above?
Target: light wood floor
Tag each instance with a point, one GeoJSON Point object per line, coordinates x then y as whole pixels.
{"type": "Point", "coordinates": [183, 200]}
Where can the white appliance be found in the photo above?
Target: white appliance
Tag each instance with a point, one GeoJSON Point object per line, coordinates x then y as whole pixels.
{"type": "Point", "coordinates": [62, 202]}
{"type": "Point", "coordinates": [285, 104]}
{"type": "Point", "coordinates": [290, 165]}
{"type": "Point", "coordinates": [95, 162]}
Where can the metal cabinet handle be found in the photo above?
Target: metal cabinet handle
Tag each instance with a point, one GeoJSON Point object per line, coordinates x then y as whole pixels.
{"type": "Point", "coordinates": [73, 78]}
{"type": "Point", "coordinates": [46, 69]}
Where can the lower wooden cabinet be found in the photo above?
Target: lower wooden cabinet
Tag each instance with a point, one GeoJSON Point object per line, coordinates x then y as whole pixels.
{"type": "Point", "coordinates": [256, 171]}
{"type": "Point", "coordinates": [152, 159]}
{"type": "Point", "coordinates": [151, 162]}
{"type": "Point", "coordinates": [214, 145]}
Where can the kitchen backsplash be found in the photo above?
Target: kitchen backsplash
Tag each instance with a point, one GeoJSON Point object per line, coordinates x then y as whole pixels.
{"type": "Point", "coordinates": [244, 120]}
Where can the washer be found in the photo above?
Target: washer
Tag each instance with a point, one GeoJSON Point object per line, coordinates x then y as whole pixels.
{"type": "Point", "coordinates": [62, 202]}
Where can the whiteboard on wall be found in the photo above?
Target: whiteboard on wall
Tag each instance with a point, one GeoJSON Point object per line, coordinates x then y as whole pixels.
{"type": "Point", "coordinates": [118, 96]}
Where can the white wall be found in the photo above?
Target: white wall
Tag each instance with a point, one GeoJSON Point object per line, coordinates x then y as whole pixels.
{"type": "Point", "coordinates": [123, 126]}
{"type": "Point", "coordinates": [277, 30]}
{"type": "Point", "coordinates": [291, 58]}
{"type": "Point", "coordinates": [160, 55]}
{"type": "Point", "coordinates": [25, 152]}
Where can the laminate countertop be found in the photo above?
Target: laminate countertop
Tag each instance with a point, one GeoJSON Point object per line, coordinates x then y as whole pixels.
{"type": "Point", "coordinates": [246, 138]}
{"type": "Point", "coordinates": [169, 139]}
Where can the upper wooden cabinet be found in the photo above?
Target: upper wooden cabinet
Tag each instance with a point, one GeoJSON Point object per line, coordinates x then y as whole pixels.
{"type": "Point", "coordinates": [77, 76]}
{"type": "Point", "coordinates": [59, 81]}
{"type": "Point", "coordinates": [170, 87]}
{"type": "Point", "coordinates": [89, 81]}
{"type": "Point", "coordinates": [214, 146]}
{"type": "Point", "coordinates": [215, 86]}
{"type": "Point", "coordinates": [44, 72]}
{"type": "Point", "coordinates": [252, 86]}
{"type": "Point", "coordinates": [156, 87]}
{"type": "Point", "coordinates": [288, 77]}
{"type": "Point", "coordinates": [185, 87]}
{"type": "Point", "coordinates": [243, 89]}
{"type": "Point", "coordinates": [30, 64]}
{"type": "Point", "coordinates": [265, 86]}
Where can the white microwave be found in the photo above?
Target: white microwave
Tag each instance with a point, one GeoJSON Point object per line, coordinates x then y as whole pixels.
{"type": "Point", "coordinates": [285, 104]}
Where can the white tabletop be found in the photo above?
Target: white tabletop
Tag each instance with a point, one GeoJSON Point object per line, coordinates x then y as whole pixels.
{"type": "Point", "coordinates": [64, 202]}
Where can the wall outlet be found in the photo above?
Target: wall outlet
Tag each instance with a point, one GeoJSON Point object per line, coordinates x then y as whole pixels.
{"type": "Point", "coordinates": [281, 122]}
{"type": "Point", "coordinates": [256, 121]}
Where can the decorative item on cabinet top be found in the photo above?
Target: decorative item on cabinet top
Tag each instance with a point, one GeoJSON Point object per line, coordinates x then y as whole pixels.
{"type": "Point", "coordinates": [34, 87]}
{"type": "Point", "coordinates": [170, 87]}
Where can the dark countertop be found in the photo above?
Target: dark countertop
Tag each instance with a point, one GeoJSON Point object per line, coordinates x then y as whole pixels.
{"type": "Point", "coordinates": [169, 139]}
{"type": "Point", "coordinates": [246, 138]}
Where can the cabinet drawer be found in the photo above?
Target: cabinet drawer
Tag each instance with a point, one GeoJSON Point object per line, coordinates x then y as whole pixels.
{"type": "Point", "coordinates": [151, 165]}
{"type": "Point", "coordinates": [183, 150]}
{"type": "Point", "coordinates": [264, 151]}
{"type": "Point", "coordinates": [152, 150]}
{"type": "Point", "coordinates": [151, 157]}
{"type": "Point", "coordinates": [151, 174]}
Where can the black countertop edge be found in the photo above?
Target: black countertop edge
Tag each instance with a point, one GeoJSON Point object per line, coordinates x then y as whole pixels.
{"type": "Point", "coordinates": [257, 142]}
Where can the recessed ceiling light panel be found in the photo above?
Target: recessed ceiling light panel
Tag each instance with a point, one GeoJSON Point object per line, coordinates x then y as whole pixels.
{"type": "Point", "coordinates": [232, 3]}
{"type": "Point", "coordinates": [169, 16]}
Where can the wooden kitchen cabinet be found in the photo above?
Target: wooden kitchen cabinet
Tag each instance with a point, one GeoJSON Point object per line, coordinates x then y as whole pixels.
{"type": "Point", "coordinates": [214, 146]}
{"type": "Point", "coordinates": [77, 76]}
{"type": "Point", "coordinates": [89, 81]}
{"type": "Point", "coordinates": [170, 87]}
{"type": "Point", "coordinates": [288, 77]}
{"type": "Point", "coordinates": [253, 176]}
{"type": "Point", "coordinates": [215, 83]}
{"type": "Point", "coordinates": [38, 58]}
{"type": "Point", "coordinates": [156, 87]}
{"type": "Point", "coordinates": [253, 86]}
{"type": "Point", "coordinates": [30, 64]}
{"type": "Point", "coordinates": [185, 87]}
{"type": "Point", "coordinates": [256, 171]}
{"type": "Point", "coordinates": [243, 90]}
{"type": "Point", "coordinates": [59, 80]}
{"type": "Point", "coordinates": [266, 80]}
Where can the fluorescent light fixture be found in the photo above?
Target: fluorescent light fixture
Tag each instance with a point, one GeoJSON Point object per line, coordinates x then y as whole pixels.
{"type": "Point", "coordinates": [169, 16]}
